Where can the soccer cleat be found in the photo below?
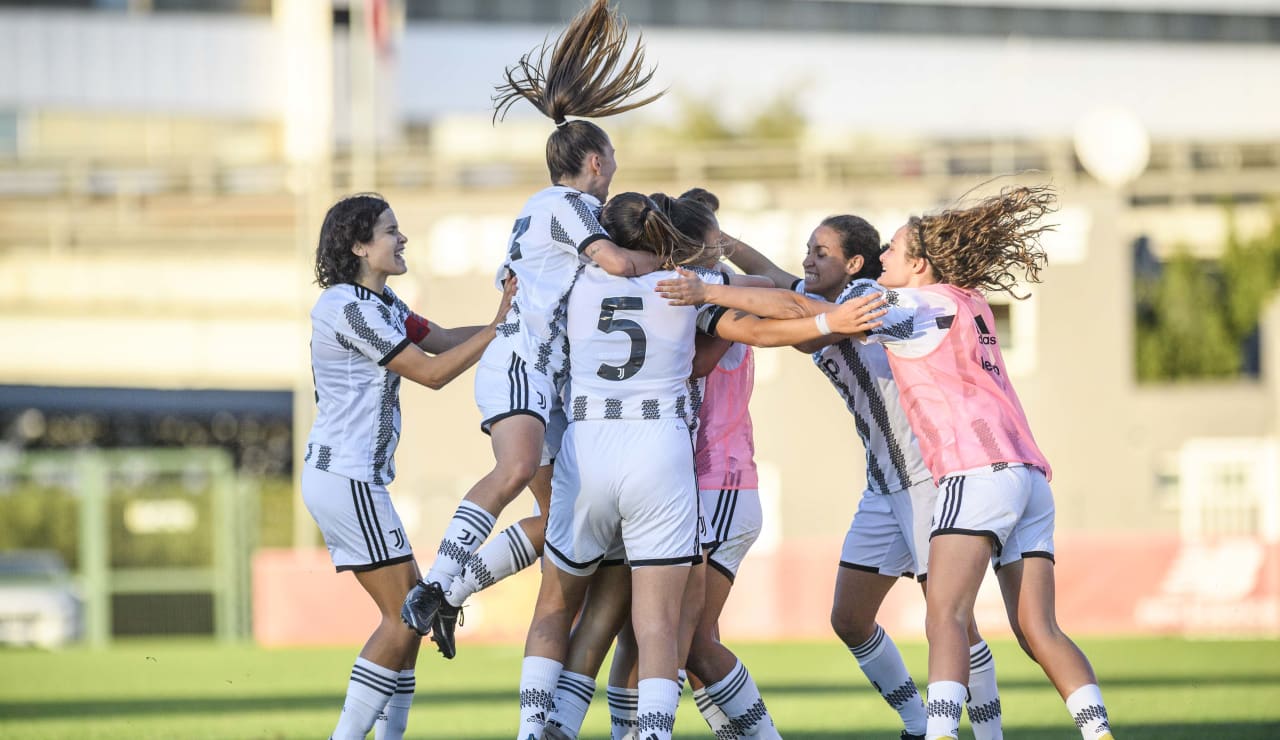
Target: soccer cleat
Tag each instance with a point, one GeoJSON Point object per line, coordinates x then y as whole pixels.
{"type": "Point", "coordinates": [908, 736]}
{"type": "Point", "coordinates": [446, 620]}
{"type": "Point", "coordinates": [421, 606]}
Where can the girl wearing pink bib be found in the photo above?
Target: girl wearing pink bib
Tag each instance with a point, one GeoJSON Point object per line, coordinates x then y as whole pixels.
{"type": "Point", "coordinates": [994, 504]}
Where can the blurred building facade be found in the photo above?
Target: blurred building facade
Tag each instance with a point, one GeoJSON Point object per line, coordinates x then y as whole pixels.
{"type": "Point", "coordinates": [156, 215]}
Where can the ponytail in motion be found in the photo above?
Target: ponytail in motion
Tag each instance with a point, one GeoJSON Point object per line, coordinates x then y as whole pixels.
{"type": "Point", "coordinates": [587, 73]}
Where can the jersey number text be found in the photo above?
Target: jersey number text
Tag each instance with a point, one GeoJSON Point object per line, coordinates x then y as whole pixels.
{"type": "Point", "coordinates": [638, 341]}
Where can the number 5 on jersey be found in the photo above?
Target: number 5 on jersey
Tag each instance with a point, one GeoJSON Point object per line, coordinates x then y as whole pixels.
{"type": "Point", "coordinates": [609, 323]}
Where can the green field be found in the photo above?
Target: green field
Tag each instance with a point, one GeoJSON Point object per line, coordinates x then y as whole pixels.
{"type": "Point", "coordinates": [1167, 689]}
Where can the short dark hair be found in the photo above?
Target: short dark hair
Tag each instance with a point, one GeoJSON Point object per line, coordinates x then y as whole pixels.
{"type": "Point", "coordinates": [858, 237]}
{"type": "Point", "coordinates": [348, 222]}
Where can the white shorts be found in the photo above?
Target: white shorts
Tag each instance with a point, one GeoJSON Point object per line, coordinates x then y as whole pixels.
{"type": "Point", "coordinates": [633, 478]}
{"type": "Point", "coordinates": [889, 534]}
{"type": "Point", "coordinates": [730, 521]}
{"type": "Point", "coordinates": [1013, 506]}
{"type": "Point", "coordinates": [360, 526]}
{"type": "Point", "coordinates": [506, 386]}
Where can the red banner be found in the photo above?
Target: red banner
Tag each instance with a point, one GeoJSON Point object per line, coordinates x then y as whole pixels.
{"type": "Point", "coordinates": [1112, 584]}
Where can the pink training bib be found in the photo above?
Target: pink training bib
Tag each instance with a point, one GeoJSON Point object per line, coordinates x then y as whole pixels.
{"type": "Point", "coordinates": [725, 451]}
{"type": "Point", "coordinates": [959, 399]}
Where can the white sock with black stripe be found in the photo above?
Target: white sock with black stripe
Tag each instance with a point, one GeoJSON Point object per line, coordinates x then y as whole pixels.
{"type": "Point", "coordinates": [624, 702]}
{"type": "Point", "coordinates": [984, 697]}
{"type": "Point", "coordinates": [1089, 713]}
{"type": "Point", "coordinates": [467, 530]}
{"type": "Point", "coordinates": [573, 697]}
{"type": "Point", "coordinates": [882, 664]}
{"type": "Point", "coordinates": [507, 554]}
{"type": "Point", "coordinates": [946, 700]}
{"type": "Point", "coordinates": [370, 688]}
{"type": "Point", "coordinates": [738, 696]}
{"type": "Point", "coordinates": [394, 719]}
{"type": "Point", "coordinates": [538, 678]}
{"type": "Point", "coordinates": [656, 708]}
{"type": "Point", "coordinates": [716, 719]}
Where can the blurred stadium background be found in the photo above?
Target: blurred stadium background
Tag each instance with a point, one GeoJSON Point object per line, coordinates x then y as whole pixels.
{"type": "Point", "coordinates": [164, 166]}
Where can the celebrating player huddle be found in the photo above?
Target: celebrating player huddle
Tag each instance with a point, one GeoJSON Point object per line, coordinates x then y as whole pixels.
{"type": "Point", "coordinates": [614, 383]}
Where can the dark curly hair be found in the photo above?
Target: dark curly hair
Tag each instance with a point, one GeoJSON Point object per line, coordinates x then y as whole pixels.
{"type": "Point", "coordinates": [587, 73]}
{"type": "Point", "coordinates": [857, 237]}
{"type": "Point", "coordinates": [635, 221]}
{"type": "Point", "coordinates": [348, 221]}
{"type": "Point", "coordinates": [980, 247]}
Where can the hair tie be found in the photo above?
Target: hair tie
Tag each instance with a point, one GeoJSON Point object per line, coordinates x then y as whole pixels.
{"type": "Point", "coordinates": [644, 214]}
{"type": "Point", "coordinates": [561, 122]}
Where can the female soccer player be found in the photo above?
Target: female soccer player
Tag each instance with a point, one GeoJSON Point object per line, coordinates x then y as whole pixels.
{"type": "Point", "coordinates": [359, 352]}
{"type": "Point", "coordinates": [995, 504]}
{"type": "Point", "coordinates": [888, 537]}
{"type": "Point", "coordinates": [724, 455]}
{"type": "Point", "coordinates": [731, 521]}
{"type": "Point", "coordinates": [626, 465]}
{"type": "Point", "coordinates": [521, 374]}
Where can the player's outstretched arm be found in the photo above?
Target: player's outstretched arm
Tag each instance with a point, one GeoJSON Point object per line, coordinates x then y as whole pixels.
{"type": "Point", "coordinates": [436, 372]}
{"type": "Point", "coordinates": [621, 262]}
{"type": "Point", "coordinates": [750, 260]}
{"type": "Point", "coordinates": [707, 352]}
{"type": "Point", "coordinates": [852, 318]}
{"type": "Point", "coordinates": [750, 281]}
{"type": "Point", "coordinates": [689, 290]}
{"type": "Point", "coordinates": [439, 339]}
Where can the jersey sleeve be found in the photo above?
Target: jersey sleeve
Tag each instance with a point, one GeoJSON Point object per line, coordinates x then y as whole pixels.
{"type": "Point", "coordinates": [575, 224]}
{"type": "Point", "coordinates": [708, 313]}
{"type": "Point", "coordinates": [798, 286]}
{"type": "Point", "coordinates": [912, 325]}
{"type": "Point", "coordinates": [859, 288]}
{"type": "Point", "coordinates": [371, 329]}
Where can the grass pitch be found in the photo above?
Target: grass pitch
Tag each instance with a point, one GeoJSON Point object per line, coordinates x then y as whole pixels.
{"type": "Point", "coordinates": [1154, 688]}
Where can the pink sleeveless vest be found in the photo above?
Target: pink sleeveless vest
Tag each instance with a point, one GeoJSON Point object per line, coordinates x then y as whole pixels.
{"type": "Point", "coordinates": [724, 454]}
{"type": "Point", "coordinates": [959, 399]}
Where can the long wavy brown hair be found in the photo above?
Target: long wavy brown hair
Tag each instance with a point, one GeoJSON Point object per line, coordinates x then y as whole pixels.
{"type": "Point", "coordinates": [586, 73]}
{"type": "Point", "coordinates": [990, 246]}
{"type": "Point", "coordinates": [636, 221]}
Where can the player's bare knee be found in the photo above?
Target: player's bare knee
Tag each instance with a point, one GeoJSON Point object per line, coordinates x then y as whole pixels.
{"type": "Point", "coordinates": [1037, 634]}
{"type": "Point", "coordinates": [850, 627]}
{"type": "Point", "coordinates": [511, 476]}
{"type": "Point", "coordinates": [940, 622]}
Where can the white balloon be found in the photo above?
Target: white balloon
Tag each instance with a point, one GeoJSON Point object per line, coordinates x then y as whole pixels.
{"type": "Point", "coordinates": [1112, 145]}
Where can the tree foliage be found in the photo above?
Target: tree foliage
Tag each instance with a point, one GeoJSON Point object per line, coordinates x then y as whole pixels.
{"type": "Point", "coordinates": [701, 121]}
{"type": "Point", "coordinates": [1198, 319]}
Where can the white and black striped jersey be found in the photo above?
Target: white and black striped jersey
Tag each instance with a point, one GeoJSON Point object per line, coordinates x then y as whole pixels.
{"type": "Point", "coordinates": [354, 334]}
{"type": "Point", "coordinates": [860, 374]}
{"type": "Point", "coordinates": [631, 353]}
{"type": "Point", "coordinates": [545, 253]}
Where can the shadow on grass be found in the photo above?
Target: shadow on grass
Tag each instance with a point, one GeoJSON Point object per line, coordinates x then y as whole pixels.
{"type": "Point", "coordinates": [428, 697]}
{"type": "Point", "coordinates": [1040, 682]}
